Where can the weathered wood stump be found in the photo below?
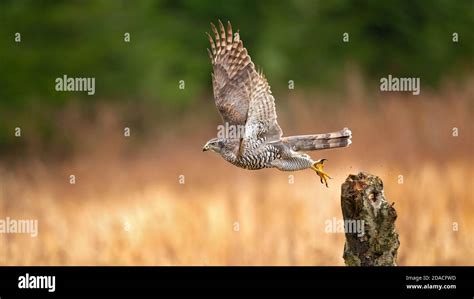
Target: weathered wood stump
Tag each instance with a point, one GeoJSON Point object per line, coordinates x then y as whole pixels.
{"type": "Point", "coordinates": [363, 202]}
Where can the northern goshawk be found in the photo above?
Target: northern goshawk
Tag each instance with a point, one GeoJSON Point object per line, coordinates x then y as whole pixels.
{"type": "Point", "coordinates": [243, 97]}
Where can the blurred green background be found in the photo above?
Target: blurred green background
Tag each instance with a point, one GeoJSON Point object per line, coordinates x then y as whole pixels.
{"type": "Point", "coordinates": [298, 40]}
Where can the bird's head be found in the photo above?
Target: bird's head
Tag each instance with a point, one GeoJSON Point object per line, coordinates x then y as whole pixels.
{"type": "Point", "coordinates": [215, 145]}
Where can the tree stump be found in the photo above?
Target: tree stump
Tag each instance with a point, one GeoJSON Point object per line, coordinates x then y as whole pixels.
{"type": "Point", "coordinates": [363, 202]}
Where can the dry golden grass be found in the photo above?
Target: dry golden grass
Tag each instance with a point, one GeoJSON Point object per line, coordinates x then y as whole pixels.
{"type": "Point", "coordinates": [128, 208]}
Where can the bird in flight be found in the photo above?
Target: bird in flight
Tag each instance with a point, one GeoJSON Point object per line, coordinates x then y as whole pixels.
{"type": "Point", "coordinates": [244, 99]}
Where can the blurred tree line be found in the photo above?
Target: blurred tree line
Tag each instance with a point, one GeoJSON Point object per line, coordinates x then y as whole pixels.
{"type": "Point", "coordinates": [300, 40]}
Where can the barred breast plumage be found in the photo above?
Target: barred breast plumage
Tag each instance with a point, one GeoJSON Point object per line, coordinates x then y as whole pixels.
{"type": "Point", "coordinates": [259, 158]}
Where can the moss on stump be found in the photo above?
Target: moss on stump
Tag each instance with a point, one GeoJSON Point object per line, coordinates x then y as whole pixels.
{"type": "Point", "coordinates": [363, 200]}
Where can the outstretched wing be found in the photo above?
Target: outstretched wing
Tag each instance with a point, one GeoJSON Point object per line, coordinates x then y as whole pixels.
{"type": "Point", "coordinates": [230, 79]}
{"type": "Point", "coordinates": [242, 95]}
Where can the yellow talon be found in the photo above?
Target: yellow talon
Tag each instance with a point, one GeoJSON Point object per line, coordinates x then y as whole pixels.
{"type": "Point", "coordinates": [318, 168]}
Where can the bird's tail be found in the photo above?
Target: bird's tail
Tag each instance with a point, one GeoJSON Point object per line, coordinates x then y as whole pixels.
{"type": "Point", "coordinates": [316, 142]}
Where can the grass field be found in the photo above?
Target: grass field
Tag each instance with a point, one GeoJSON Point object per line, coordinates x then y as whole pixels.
{"type": "Point", "coordinates": [130, 205]}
